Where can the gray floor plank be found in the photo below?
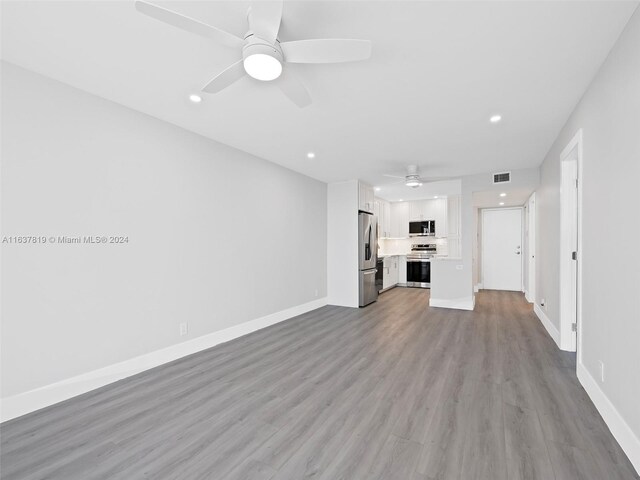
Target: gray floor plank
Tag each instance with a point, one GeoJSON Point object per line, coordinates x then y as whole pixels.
{"type": "Point", "coordinates": [527, 456]}
{"type": "Point", "coordinates": [394, 390]}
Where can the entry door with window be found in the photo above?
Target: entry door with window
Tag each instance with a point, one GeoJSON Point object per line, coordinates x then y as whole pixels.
{"type": "Point", "coordinates": [502, 249]}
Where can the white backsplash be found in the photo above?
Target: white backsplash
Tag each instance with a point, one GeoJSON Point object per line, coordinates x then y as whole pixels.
{"type": "Point", "coordinates": [402, 246]}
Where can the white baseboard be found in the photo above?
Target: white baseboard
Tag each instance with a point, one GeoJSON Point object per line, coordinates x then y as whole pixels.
{"type": "Point", "coordinates": [553, 331]}
{"type": "Point", "coordinates": [527, 297]}
{"type": "Point", "coordinates": [477, 287]}
{"type": "Point", "coordinates": [619, 428]}
{"type": "Point", "coordinates": [23, 403]}
{"type": "Point", "coordinates": [466, 303]}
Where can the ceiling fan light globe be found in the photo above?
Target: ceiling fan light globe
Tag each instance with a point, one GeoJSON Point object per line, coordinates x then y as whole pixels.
{"type": "Point", "coordinates": [413, 183]}
{"type": "Point", "coordinates": [262, 67]}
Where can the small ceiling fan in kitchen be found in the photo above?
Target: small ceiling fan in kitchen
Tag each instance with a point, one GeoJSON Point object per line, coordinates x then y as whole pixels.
{"type": "Point", "coordinates": [261, 55]}
{"type": "Point", "coordinates": [413, 179]}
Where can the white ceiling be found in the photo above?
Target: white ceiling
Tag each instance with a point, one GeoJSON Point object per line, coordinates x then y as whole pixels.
{"type": "Point", "coordinates": [438, 71]}
{"type": "Point", "coordinates": [516, 197]}
{"type": "Point", "coordinates": [398, 191]}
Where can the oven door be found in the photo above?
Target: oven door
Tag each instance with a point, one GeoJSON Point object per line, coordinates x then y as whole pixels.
{"type": "Point", "coordinates": [418, 273]}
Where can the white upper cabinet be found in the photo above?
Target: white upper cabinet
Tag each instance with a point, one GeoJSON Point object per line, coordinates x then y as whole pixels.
{"type": "Point", "coordinates": [415, 211]}
{"type": "Point", "coordinates": [421, 210]}
{"type": "Point", "coordinates": [453, 215]}
{"type": "Point", "coordinates": [386, 215]}
{"type": "Point", "coordinates": [399, 220]}
{"type": "Point", "coordinates": [382, 210]}
{"type": "Point", "coordinates": [454, 207]}
{"type": "Point", "coordinates": [440, 216]}
{"type": "Point", "coordinates": [365, 197]}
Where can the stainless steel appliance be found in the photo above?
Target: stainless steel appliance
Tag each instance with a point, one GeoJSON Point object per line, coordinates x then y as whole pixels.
{"type": "Point", "coordinates": [419, 265]}
{"type": "Point", "coordinates": [367, 253]}
{"type": "Point", "coordinates": [423, 228]}
{"type": "Point", "coordinates": [379, 274]}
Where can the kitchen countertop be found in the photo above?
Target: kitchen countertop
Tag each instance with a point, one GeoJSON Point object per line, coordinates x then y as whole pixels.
{"type": "Point", "coordinates": [435, 257]}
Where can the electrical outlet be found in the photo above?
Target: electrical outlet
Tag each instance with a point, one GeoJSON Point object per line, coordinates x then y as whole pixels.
{"type": "Point", "coordinates": [601, 371]}
{"type": "Point", "coordinates": [184, 329]}
{"type": "Point", "coordinates": [458, 267]}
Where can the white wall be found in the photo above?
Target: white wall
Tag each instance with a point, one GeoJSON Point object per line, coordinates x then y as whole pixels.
{"type": "Point", "coordinates": [609, 116]}
{"type": "Point", "coordinates": [449, 285]}
{"type": "Point", "coordinates": [342, 244]}
{"type": "Point", "coordinates": [217, 237]}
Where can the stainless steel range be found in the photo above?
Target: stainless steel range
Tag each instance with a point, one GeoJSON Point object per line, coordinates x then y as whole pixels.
{"type": "Point", "coordinates": [419, 265]}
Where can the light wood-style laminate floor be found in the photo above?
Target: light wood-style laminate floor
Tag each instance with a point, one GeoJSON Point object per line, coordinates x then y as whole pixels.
{"type": "Point", "coordinates": [396, 390]}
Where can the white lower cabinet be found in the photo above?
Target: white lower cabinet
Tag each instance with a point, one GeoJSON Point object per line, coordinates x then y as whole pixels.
{"type": "Point", "coordinates": [402, 269]}
{"type": "Point", "coordinates": [390, 273]}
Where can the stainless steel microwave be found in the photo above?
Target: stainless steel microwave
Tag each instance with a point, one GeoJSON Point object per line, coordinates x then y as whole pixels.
{"type": "Point", "coordinates": [423, 228]}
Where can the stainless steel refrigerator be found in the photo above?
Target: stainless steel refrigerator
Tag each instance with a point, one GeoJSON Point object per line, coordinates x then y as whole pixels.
{"type": "Point", "coordinates": [367, 256]}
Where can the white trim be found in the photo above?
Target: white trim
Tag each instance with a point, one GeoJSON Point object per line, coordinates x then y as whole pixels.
{"type": "Point", "coordinates": [568, 340]}
{"type": "Point", "coordinates": [477, 287]}
{"type": "Point", "coordinates": [465, 303]}
{"type": "Point", "coordinates": [530, 294]}
{"type": "Point", "coordinates": [550, 327]}
{"type": "Point", "coordinates": [619, 428]}
{"type": "Point", "coordinates": [527, 297]}
{"type": "Point", "coordinates": [23, 403]}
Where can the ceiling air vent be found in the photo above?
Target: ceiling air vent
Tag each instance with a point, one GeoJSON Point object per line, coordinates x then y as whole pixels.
{"type": "Point", "coordinates": [502, 177]}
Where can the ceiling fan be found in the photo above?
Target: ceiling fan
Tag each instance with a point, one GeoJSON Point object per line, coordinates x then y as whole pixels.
{"type": "Point", "coordinates": [262, 54]}
{"type": "Point", "coordinates": [412, 178]}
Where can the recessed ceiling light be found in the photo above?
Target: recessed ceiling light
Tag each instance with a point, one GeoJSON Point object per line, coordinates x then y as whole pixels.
{"type": "Point", "coordinates": [311, 155]}
{"type": "Point", "coordinates": [503, 194]}
{"type": "Point", "coordinates": [495, 118]}
{"type": "Point", "coordinates": [377, 189]}
{"type": "Point", "coordinates": [435, 196]}
{"type": "Point", "coordinates": [195, 98]}
{"type": "Point", "coordinates": [501, 203]}
{"type": "Point", "coordinates": [400, 200]}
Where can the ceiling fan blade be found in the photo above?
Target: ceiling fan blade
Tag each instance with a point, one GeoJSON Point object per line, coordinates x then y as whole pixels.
{"type": "Point", "coordinates": [189, 24]}
{"type": "Point", "coordinates": [396, 183]}
{"type": "Point", "coordinates": [231, 74]}
{"type": "Point", "coordinates": [329, 50]}
{"type": "Point", "coordinates": [436, 179]}
{"type": "Point", "coordinates": [265, 18]}
{"type": "Point", "coordinates": [392, 176]}
{"type": "Point", "coordinates": [294, 89]}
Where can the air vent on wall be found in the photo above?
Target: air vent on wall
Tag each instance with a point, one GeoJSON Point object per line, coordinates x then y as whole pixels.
{"type": "Point", "coordinates": [502, 177]}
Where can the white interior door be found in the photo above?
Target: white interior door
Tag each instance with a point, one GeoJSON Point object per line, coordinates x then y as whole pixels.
{"type": "Point", "coordinates": [502, 249]}
{"type": "Point", "coordinates": [532, 248]}
{"type": "Point", "coordinates": [568, 254]}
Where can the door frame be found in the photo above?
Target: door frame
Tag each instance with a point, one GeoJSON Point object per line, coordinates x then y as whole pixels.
{"type": "Point", "coordinates": [570, 181]}
{"type": "Point", "coordinates": [521, 245]}
{"type": "Point", "coordinates": [531, 248]}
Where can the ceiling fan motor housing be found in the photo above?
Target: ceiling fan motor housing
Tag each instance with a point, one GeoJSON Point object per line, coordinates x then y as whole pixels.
{"type": "Point", "coordinates": [413, 181]}
{"type": "Point", "coordinates": [256, 46]}
{"type": "Point", "coordinates": [262, 60]}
